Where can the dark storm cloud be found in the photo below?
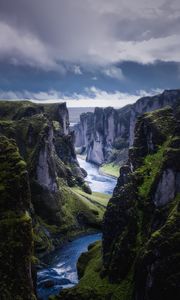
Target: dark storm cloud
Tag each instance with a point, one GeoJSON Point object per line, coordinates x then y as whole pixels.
{"type": "Point", "coordinates": [52, 33]}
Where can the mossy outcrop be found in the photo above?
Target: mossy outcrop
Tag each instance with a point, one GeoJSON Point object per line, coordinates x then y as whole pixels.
{"type": "Point", "coordinates": [139, 258]}
{"type": "Point", "coordinates": [16, 246]}
{"type": "Point", "coordinates": [47, 145]}
{"type": "Point", "coordinates": [143, 213]}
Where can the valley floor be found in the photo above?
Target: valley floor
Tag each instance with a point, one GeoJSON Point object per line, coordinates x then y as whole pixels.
{"type": "Point", "coordinates": [110, 169]}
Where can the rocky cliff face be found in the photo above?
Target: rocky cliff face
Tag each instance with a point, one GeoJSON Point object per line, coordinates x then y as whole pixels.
{"type": "Point", "coordinates": [106, 134]}
{"type": "Point", "coordinates": [141, 230]}
{"type": "Point", "coordinates": [141, 225]}
{"type": "Point", "coordinates": [98, 132]}
{"type": "Point", "coordinates": [16, 245]}
{"type": "Point", "coordinates": [46, 144]}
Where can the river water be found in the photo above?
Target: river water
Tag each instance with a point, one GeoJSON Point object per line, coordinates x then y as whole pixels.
{"type": "Point", "coordinates": [98, 182]}
{"type": "Point", "coordinates": [61, 271]}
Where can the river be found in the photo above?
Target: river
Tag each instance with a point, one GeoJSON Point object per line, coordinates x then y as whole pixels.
{"type": "Point", "coordinates": [97, 182]}
{"type": "Point", "coordinates": [61, 271]}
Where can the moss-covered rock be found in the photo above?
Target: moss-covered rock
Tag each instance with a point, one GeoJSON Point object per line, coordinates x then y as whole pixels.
{"type": "Point", "coordinates": [86, 188]}
{"type": "Point", "coordinates": [92, 285]}
{"type": "Point", "coordinates": [46, 144]}
{"type": "Point", "coordinates": [141, 230]}
{"type": "Point", "coordinates": [157, 274]}
{"type": "Point", "coordinates": [16, 245]}
{"type": "Point", "coordinates": [136, 225]}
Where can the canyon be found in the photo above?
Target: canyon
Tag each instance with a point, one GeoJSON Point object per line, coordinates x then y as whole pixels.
{"type": "Point", "coordinates": [138, 258]}
{"type": "Point", "coordinates": [42, 189]}
{"type": "Point", "coordinates": [46, 200]}
{"type": "Point", "coordinates": [105, 135]}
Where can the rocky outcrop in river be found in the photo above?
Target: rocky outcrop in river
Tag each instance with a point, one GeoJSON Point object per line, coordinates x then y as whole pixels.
{"type": "Point", "coordinates": [106, 134]}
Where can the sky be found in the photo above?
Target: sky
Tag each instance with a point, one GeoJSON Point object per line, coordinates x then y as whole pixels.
{"type": "Point", "coordinates": [88, 52]}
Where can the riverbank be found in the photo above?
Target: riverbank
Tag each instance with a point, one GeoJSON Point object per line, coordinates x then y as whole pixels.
{"type": "Point", "coordinates": [61, 271]}
{"type": "Point", "coordinates": [99, 199]}
{"type": "Point", "coordinates": [110, 169]}
{"type": "Point", "coordinates": [107, 169]}
{"type": "Point", "coordinates": [98, 182]}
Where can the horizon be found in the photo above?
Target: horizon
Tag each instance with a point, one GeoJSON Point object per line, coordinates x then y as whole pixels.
{"type": "Point", "coordinates": [86, 52]}
{"type": "Point", "coordinates": [82, 103]}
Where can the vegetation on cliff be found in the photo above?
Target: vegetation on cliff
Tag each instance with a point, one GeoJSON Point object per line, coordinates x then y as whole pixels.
{"type": "Point", "coordinates": [111, 169]}
{"type": "Point", "coordinates": [47, 145]}
{"type": "Point", "coordinates": [16, 246]}
{"type": "Point", "coordinates": [139, 257]}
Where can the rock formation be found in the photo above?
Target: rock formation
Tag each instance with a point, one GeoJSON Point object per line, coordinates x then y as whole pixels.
{"type": "Point", "coordinates": [106, 134]}
{"type": "Point", "coordinates": [45, 142]}
{"type": "Point", "coordinates": [16, 246]}
{"type": "Point", "coordinates": [141, 230]}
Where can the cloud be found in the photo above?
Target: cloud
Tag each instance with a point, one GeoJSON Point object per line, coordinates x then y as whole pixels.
{"type": "Point", "coordinates": [77, 70]}
{"type": "Point", "coordinates": [23, 47]}
{"type": "Point", "coordinates": [48, 34]}
{"type": "Point", "coordinates": [91, 97]}
{"type": "Point", "coordinates": [113, 72]}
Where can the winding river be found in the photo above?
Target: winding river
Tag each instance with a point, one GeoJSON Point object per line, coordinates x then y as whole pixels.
{"type": "Point", "coordinates": [61, 271]}
{"type": "Point", "coordinates": [98, 182]}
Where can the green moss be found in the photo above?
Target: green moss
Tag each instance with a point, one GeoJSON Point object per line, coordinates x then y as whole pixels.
{"type": "Point", "coordinates": [78, 212]}
{"type": "Point", "coordinates": [110, 169]}
{"type": "Point", "coordinates": [16, 247]}
{"type": "Point", "coordinates": [162, 120]}
{"type": "Point", "coordinates": [92, 285]}
{"type": "Point", "coordinates": [150, 169]}
{"type": "Point", "coordinates": [160, 254]}
{"type": "Point", "coordinates": [96, 198]}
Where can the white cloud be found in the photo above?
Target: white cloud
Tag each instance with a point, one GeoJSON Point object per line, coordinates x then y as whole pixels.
{"type": "Point", "coordinates": [113, 72]}
{"type": "Point", "coordinates": [148, 51]}
{"type": "Point", "coordinates": [77, 70]}
{"type": "Point", "coordinates": [91, 98]}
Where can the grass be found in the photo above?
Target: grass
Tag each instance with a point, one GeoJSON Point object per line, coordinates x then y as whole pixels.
{"type": "Point", "coordinates": [77, 204]}
{"type": "Point", "coordinates": [96, 198]}
{"type": "Point", "coordinates": [150, 169]}
{"type": "Point", "coordinates": [79, 213]}
{"type": "Point", "coordinates": [110, 169]}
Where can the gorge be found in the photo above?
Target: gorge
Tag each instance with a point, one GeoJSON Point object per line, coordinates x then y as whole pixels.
{"type": "Point", "coordinates": [61, 270]}
{"type": "Point", "coordinates": [106, 134]}
{"type": "Point", "coordinates": [139, 254]}
{"type": "Point", "coordinates": [55, 199]}
{"type": "Point", "coordinates": [53, 202]}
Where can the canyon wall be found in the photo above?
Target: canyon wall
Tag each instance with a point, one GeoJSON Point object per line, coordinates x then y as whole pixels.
{"type": "Point", "coordinates": [139, 255]}
{"type": "Point", "coordinates": [141, 224]}
{"type": "Point", "coordinates": [16, 245]}
{"type": "Point", "coordinates": [45, 142]}
{"type": "Point", "coordinates": [106, 134]}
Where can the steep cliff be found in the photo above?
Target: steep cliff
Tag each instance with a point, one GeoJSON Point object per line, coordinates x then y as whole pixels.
{"type": "Point", "coordinates": [46, 144]}
{"type": "Point", "coordinates": [16, 242]}
{"type": "Point", "coordinates": [106, 134]}
{"type": "Point", "coordinates": [141, 231]}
